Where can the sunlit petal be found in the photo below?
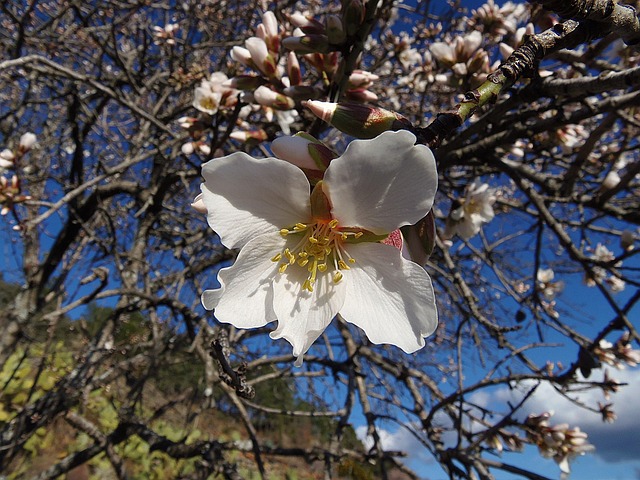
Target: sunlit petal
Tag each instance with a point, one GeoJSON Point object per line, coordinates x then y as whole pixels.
{"type": "Point", "coordinates": [383, 183]}
{"type": "Point", "coordinates": [389, 297]}
{"type": "Point", "coordinates": [246, 197]}
{"type": "Point", "coordinates": [245, 298]}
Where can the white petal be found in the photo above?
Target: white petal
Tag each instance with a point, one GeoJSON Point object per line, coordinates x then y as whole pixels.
{"type": "Point", "coordinates": [302, 315]}
{"type": "Point", "coordinates": [245, 298]}
{"type": "Point", "coordinates": [442, 51]}
{"type": "Point", "coordinates": [246, 197]}
{"type": "Point", "coordinates": [383, 183]}
{"type": "Point", "coordinates": [389, 297]}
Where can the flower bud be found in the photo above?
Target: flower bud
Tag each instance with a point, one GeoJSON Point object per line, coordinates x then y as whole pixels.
{"type": "Point", "coordinates": [302, 92]}
{"type": "Point", "coordinates": [308, 44]}
{"type": "Point", "coordinates": [611, 180]}
{"type": "Point", "coordinates": [307, 24]}
{"type": "Point", "coordinates": [187, 148]}
{"type": "Point", "coordinates": [270, 28]}
{"type": "Point", "coordinates": [294, 150]}
{"type": "Point", "coordinates": [304, 151]}
{"type": "Point", "coordinates": [244, 82]}
{"type": "Point", "coordinates": [293, 69]}
{"type": "Point", "coordinates": [268, 98]}
{"type": "Point", "coordinates": [27, 141]}
{"type": "Point", "coordinates": [6, 159]}
{"type": "Point", "coordinates": [361, 79]}
{"type": "Point", "coordinates": [198, 204]}
{"type": "Point", "coordinates": [357, 120]}
{"type": "Point", "coordinates": [261, 56]}
{"type": "Point", "coordinates": [361, 95]}
{"type": "Point", "coordinates": [243, 56]}
{"type": "Point", "coordinates": [335, 30]}
{"type": "Point", "coordinates": [260, 135]}
{"type": "Point", "coordinates": [353, 16]}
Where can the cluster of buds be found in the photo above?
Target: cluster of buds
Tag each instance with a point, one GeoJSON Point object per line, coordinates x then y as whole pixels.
{"type": "Point", "coordinates": [165, 35]}
{"type": "Point", "coordinates": [10, 194]}
{"type": "Point", "coordinates": [559, 442]}
{"type": "Point", "coordinates": [602, 254]}
{"type": "Point", "coordinates": [316, 37]}
{"type": "Point", "coordinates": [617, 354]}
{"type": "Point", "coordinates": [469, 213]}
{"type": "Point", "coordinates": [497, 21]}
{"type": "Point", "coordinates": [10, 158]}
{"type": "Point", "coordinates": [10, 189]}
{"type": "Point", "coordinates": [319, 44]}
{"type": "Point", "coordinates": [501, 439]}
{"type": "Point", "coordinates": [465, 58]}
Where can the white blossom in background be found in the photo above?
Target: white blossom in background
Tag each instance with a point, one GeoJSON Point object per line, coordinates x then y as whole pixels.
{"type": "Point", "coordinates": [559, 442]}
{"type": "Point", "coordinates": [211, 94]}
{"type": "Point", "coordinates": [6, 160]}
{"type": "Point", "coordinates": [464, 56]}
{"type": "Point", "coordinates": [165, 35]}
{"type": "Point", "coordinates": [546, 285]}
{"type": "Point", "coordinates": [611, 180]}
{"type": "Point", "coordinates": [599, 274]}
{"type": "Point", "coordinates": [304, 259]}
{"type": "Point", "coordinates": [619, 354]}
{"type": "Point", "coordinates": [27, 141]}
{"type": "Point", "coordinates": [475, 209]}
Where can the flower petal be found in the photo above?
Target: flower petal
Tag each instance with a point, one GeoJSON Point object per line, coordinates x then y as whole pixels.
{"type": "Point", "coordinates": [383, 183]}
{"type": "Point", "coordinates": [389, 297]}
{"type": "Point", "coordinates": [302, 315]}
{"type": "Point", "coordinates": [245, 298]}
{"type": "Point", "coordinates": [246, 197]}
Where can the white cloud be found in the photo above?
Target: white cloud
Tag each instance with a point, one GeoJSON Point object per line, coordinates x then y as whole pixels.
{"type": "Point", "coordinates": [399, 440]}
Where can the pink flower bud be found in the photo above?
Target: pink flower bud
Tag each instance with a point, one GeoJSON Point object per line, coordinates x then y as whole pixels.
{"type": "Point", "coordinates": [268, 98]}
{"type": "Point", "coordinates": [302, 92]}
{"type": "Point", "coordinates": [358, 120]}
{"type": "Point", "coordinates": [261, 56]}
{"type": "Point", "coordinates": [243, 56]}
{"type": "Point", "coordinates": [293, 69]}
{"type": "Point", "coordinates": [308, 44]}
{"type": "Point", "coordinates": [335, 30]}
{"type": "Point", "coordinates": [307, 24]}
{"type": "Point", "coordinates": [361, 95]}
{"type": "Point", "coordinates": [294, 149]}
{"type": "Point", "coordinates": [260, 135]}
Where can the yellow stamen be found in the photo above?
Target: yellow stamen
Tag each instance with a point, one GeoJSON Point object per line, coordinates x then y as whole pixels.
{"type": "Point", "coordinates": [320, 249]}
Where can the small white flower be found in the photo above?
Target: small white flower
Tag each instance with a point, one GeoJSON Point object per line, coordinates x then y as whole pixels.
{"type": "Point", "coordinates": [27, 141]}
{"type": "Point", "coordinates": [304, 259]}
{"type": "Point", "coordinates": [476, 209]}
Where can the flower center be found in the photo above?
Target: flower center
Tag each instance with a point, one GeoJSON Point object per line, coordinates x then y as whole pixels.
{"type": "Point", "coordinates": [320, 249]}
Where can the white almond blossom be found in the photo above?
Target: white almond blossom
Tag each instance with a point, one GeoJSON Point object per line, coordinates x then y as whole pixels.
{"type": "Point", "coordinates": [305, 258]}
{"type": "Point", "coordinates": [475, 209]}
{"type": "Point", "coordinates": [212, 94]}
